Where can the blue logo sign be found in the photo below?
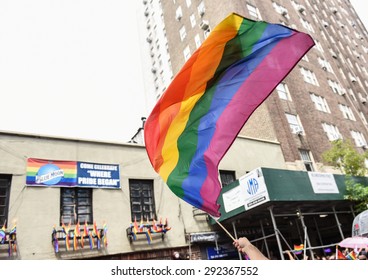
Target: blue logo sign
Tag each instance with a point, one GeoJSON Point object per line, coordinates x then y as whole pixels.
{"type": "Point", "coordinates": [252, 186]}
{"type": "Point", "coordinates": [49, 174]}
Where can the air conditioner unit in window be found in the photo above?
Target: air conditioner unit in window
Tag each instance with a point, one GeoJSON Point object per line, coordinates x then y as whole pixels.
{"type": "Point", "coordinates": [204, 24]}
{"type": "Point", "coordinates": [324, 68]}
{"type": "Point", "coordinates": [325, 23]}
{"type": "Point", "coordinates": [284, 12]}
{"type": "Point", "coordinates": [341, 92]}
{"type": "Point", "coordinates": [297, 130]}
{"type": "Point", "coordinates": [334, 10]}
{"type": "Point", "coordinates": [301, 8]}
{"type": "Point", "coordinates": [361, 144]}
{"type": "Point", "coordinates": [352, 78]}
{"type": "Point", "coordinates": [178, 16]}
{"type": "Point", "coordinates": [363, 100]}
{"type": "Point", "coordinates": [201, 11]}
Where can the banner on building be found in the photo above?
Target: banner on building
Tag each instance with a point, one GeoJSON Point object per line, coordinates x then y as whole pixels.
{"type": "Point", "coordinates": [57, 173]}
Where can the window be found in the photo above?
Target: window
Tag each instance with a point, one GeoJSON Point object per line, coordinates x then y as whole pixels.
{"type": "Point", "coordinates": [179, 13]}
{"type": "Point", "coordinates": [189, 2]}
{"type": "Point", "coordinates": [76, 205]}
{"type": "Point", "coordinates": [309, 76]}
{"type": "Point", "coordinates": [332, 132]}
{"type": "Point", "coordinates": [283, 91]}
{"type": "Point", "coordinates": [183, 33]}
{"type": "Point", "coordinates": [280, 9]}
{"type": "Point", "coordinates": [142, 202]}
{"type": "Point", "coordinates": [305, 156]}
{"type": "Point", "coordinates": [325, 65]}
{"type": "Point", "coordinates": [319, 46]}
{"type": "Point", "coordinates": [227, 177]}
{"type": "Point", "coordinates": [193, 21]}
{"type": "Point", "coordinates": [201, 9]}
{"type": "Point", "coordinates": [294, 123]}
{"type": "Point", "coordinates": [186, 53]}
{"type": "Point", "coordinates": [358, 139]}
{"type": "Point", "coordinates": [253, 12]}
{"type": "Point", "coordinates": [320, 103]}
{"type": "Point", "coordinates": [4, 198]}
{"type": "Point", "coordinates": [197, 40]}
{"type": "Point", "coordinates": [364, 120]}
{"type": "Point", "coordinates": [335, 86]}
{"type": "Point", "coordinates": [342, 73]}
{"type": "Point", "coordinates": [207, 32]}
{"type": "Point", "coordinates": [307, 25]}
{"type": "Point", "coordinates": [347, 112]}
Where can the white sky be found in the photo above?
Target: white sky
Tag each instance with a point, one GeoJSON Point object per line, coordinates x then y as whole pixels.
{"type": "Point", "coordinates": [72, 68]}
{"type": "Point", "coordinates": [361, 7]}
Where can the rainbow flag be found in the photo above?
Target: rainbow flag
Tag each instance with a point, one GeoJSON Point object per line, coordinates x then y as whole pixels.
{"type": "Point", "coordinates": [351, 256]}
{"type": "Point", "coordinates": [298, 249]}
{"type": "Point", "coordinates": [339, 255]}
{"type": "Point", "coordinates": [67, 236]}
{"type": "Point", "coordinates": [2, 235]}
{"type": "Point", "coordinates": [200, 114]}
{"type": "Point", "coordinates": [47, 173]}
{"type": "Point", "coordinates": [105, 235]}
{"type": "Point", "coordinates": [149, 236]}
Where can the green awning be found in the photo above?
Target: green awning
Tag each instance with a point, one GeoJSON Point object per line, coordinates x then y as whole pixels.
{"type": "Point", "coordinates": [266, 186]}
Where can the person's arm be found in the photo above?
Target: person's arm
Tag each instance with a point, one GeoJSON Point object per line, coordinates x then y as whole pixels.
{"type": "Point", "coordinates": [243, 245]}
{"type": "Point", "coordinates": [290, 255]}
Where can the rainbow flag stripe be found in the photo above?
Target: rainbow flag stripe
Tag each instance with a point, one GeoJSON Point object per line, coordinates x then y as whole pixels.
{"type": "Point", "coordinates": [210, 99]}
{"type": "Point", "coordinates": [45, 172]}
{"type": "Point", "coordinates": [351, 256]}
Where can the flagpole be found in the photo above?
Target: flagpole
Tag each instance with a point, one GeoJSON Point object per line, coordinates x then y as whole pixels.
{"type": "Point", "coordinates": [228, 233]}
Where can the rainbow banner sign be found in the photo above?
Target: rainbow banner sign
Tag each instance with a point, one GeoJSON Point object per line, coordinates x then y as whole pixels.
{"type": "Point", "coordinates": [42, 172]}
{"type": "Point", "coordinates": [57, 173]}
{"type": "Point", "coordinates": [202, 111]}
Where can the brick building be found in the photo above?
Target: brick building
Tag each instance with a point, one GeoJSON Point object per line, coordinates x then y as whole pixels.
{"type": "Point", "coordinates": [321, 100]}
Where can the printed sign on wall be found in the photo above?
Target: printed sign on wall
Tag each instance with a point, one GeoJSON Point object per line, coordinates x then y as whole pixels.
{"type": "Point", "coordinates": [57, 173]}
{"type": "Point", "coordinates": [255, 188]}
{"type": "Point", "coordinates": [323, 182]}
{"type": "Point", "coordinates": [98, 175]}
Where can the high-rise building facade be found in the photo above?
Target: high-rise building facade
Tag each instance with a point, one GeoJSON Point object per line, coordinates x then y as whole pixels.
{"type": "Point", "coordinates": [324, 98]}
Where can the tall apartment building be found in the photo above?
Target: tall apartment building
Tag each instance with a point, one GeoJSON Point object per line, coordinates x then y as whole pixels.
{"type": "Point", "coordinates": [323, 99]}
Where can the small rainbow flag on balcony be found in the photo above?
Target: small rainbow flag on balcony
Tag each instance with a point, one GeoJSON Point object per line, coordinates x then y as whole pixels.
{"type": "Point", "coordinates": [200, 114]}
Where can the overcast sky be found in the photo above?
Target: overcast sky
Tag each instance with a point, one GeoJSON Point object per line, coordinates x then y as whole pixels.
{"type": "Point", "coordinates": [361, 7]}
{"type": "Point", "coordinates": [71, 68]}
